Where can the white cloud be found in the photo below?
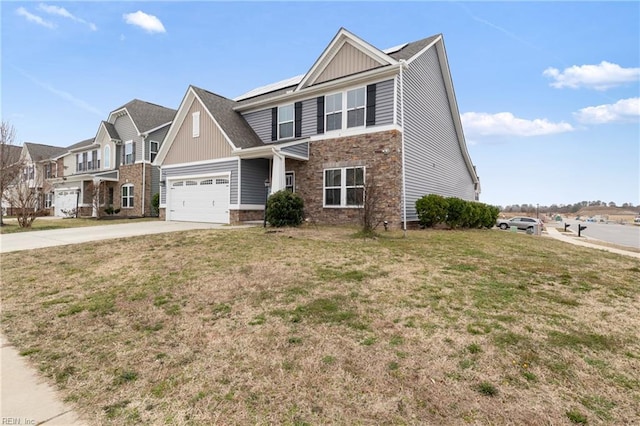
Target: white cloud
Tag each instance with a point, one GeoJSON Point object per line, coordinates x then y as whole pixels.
{"type": "Point", "coordinates": [34, 18]}
{"type": "Point", "coordinates": [624, 110]}
{"type": "Point", "coordinates": [603, 76]}
{"type": "Point", "coordinates": [61, 11]}
{"type": "Point", "coordinates": [147, 22]}
{"type": "Point", "coordinates": [506, 124]}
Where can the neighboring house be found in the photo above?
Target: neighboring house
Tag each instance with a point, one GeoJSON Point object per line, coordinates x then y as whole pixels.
{"type": "Point", "coordinates": [360, 116]}
{"type": "Point", "coordinates": [9, 172]}
{"type": "Point", "coordinates": [37, 168]}
{"type": "Point", "coordinates": [114, 169]}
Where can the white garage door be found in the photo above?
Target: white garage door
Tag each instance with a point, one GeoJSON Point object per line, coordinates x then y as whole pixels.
{"type": "Point", "coordinates": [199, 200]}
{"type": "Point", "coordinates": [65, 200]}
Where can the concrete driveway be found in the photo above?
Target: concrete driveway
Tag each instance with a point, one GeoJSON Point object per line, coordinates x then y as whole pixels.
{"type": "Point", "coordinates": [60, 237]}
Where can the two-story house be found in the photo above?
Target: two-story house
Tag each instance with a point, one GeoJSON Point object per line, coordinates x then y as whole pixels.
{"type": "Point", "coordinates": [359, 115]}
{"type": "Point", "coordinates": [114, 169]}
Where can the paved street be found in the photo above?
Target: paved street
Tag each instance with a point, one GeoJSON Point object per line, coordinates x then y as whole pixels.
{"type": "Point", "coordinates": [625, 235]}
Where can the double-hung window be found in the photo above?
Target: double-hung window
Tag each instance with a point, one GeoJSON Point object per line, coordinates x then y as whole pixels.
{"type": "Point", "coordinates": [128, 153]}
{"type": "Point", "coordinates": [90, 165]}
{"type": "Point", "coordinates": [285, 121]}
{"type": "Point", "coordinates": [79, 163]}
{"type": "Point", "coordinates": [344, 187]}
{"type": "Point", "coordinates": [333, 111]}
{"type": "Point", "coordinates": [153, 150]}
{"type": "Point", "coordinates": [355, 107]}
{"type": "Point", "coordinates": [107, 156]}
{"type": "Point", "coordinates": [127, 195]}
{"type": "Point", "coordinates": [48, 200]}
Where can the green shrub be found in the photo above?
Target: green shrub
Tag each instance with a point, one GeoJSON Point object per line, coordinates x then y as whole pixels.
{"type": "Point", "coordinates": [432, 210]}
{"type": "Point", "coordinates": [455, 212]}
{"type": "Point", "coordinates": [155, 204]}
{"type": "Point", "coordinates": [489, 216]}
{"type": "Point", "coordinates": [285, 208]}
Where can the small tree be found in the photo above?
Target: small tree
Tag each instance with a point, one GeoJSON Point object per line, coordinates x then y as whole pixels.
{"type": "Point", "coordinates": [26, 200]}
{"type": "Point", "coordinates": [432, 210]}
{"type": "Point", "coordinates": [10, 162]}
{"type": "Point", "coordinates": [285, 208]}
{"type": "Point", "coordinates": [371, 213]}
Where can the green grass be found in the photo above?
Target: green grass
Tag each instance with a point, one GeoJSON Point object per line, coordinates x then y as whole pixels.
{"type": "Point", "coordinates": [314, 326]}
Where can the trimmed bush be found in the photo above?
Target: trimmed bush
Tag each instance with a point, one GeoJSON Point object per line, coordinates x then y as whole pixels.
{"type": "Point", "coordinates": [285, 208]}
{"type": "Point", "coordinates": [456, 212]}
{"type": "Point", "coordinates": [432, 210]}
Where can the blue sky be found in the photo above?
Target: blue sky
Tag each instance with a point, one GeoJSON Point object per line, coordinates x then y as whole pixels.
{"type": "Point", "coordinates": [548, 91]}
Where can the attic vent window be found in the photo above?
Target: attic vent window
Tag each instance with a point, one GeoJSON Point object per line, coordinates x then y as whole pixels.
{"type": "Point", "coordinates": [195, 119]}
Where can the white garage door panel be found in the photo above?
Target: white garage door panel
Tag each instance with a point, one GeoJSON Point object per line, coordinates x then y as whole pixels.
{"type": "Point", "coordinates": [65, 200]}
{"type": "Point", "coordinates": [199, 200]}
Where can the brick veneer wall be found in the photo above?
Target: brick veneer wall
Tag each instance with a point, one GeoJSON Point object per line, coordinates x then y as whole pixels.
{"type": "Point", "coordinates": [132, 173]}
{"type": "Point", "coordinates": [381, 155]}
{"type": "Point", "coordinates": [238, 216]}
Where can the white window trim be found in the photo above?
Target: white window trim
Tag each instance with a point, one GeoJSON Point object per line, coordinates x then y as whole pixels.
{"type": "Point", "coordinates": [151, 151]}
{"type": "Point", "coordinates": [363, 107]}
{"type": "Point", "coordinates": [107, 157]}
{"type": "Point", "coordinates": [195, 124]}
{"type": "Point", "coordinates": [344, 110]}
{"type": "Point", "coordinates": [133, 153]}
{"type": "Point", "coordinates": [293, 121]}
{"type": "Point", "coordinates": [131, 203]}
{"type": "Point", "coordinates": [293, 180]}
{"type": "Point", "coordinates": [343, 187]}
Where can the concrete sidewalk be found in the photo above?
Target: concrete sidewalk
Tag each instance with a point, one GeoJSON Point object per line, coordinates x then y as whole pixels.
{"type": "Point", "coordinates": [573, 239]}
{"type": "Point", "coordinates": [25, 398]}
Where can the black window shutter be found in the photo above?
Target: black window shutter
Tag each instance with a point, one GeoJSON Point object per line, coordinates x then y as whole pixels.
{"type": "Point", "coordinates": [371, 105]}
{"type": "Point", "coordinates": [298, 119]}
{"type": "Point", "coordinates": [274, 123]}
{"type": "Point", "coordinates": [320, 114]}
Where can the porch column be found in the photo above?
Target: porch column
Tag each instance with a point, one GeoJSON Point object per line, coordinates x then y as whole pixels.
{"type": "Point", "coordinates": [278, 181]}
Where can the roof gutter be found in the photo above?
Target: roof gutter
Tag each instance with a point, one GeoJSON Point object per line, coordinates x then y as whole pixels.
{"type": "Point", "coordinates": [322, 87]}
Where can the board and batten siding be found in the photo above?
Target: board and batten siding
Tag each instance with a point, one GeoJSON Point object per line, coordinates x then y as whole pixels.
{"type": "Point", "coordinates": [301, 149]}
{"type": "Point", "coordinates": [206, 169]}
{"type": "Point", "coordinates": [253, 173]}
{"type": "Point", "coordinates": [349, 60]}
{"type": "Point", "coordinates": [434, 162]}
{"type": "Point", "coordinates": [210, 145]}
{"type": "Point", "coordinates": [127, 131]}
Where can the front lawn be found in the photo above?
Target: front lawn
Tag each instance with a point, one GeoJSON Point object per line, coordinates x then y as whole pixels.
{"type": "Point", "coordinates": [44, 224]}
{"type": "Point", "coordinates": [314, 326]}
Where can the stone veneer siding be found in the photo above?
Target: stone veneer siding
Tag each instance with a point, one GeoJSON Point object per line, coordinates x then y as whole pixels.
{"type": "Point", "coordinates": [381, 155]}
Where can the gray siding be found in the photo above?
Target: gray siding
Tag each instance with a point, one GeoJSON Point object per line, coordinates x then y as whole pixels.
{"type": "Point", "coordinates": [434, 160]}
{"type": "Point", "coordinates": [253, 174]}
{"type": "Point", "coordinates": [301, 149]}
{"type": "Point", "coordinates": [157, 136]}
{"type": "Point", "coordinates": [155, 180]}
{"type": "Point", "coordinates": [260, 122]}
{"type": "Point", "coordinates": [204, 169]}
{"type": "Point", "coordinates": [384, 103]}
{"type": "Point", "coordinates": [127, 132]}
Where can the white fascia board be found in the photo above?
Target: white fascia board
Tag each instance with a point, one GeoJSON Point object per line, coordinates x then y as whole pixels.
{"type": "Point", "coordinates": [355, 131]}
{"type": "Point", "coordinates": [198, 163]}
{"type": "Point", "coordinates": [187, 99]}
{"type": "Point", "coordinates": [411, 59]}
{"type": "Point", "coordinates": [119, 113]}
{"type": "Point", "coordinates": [84, 148]}
{"type": "Point", "coordinates": [372, 76]}
{"type": "Point", "coordinates": [332, 49]}
{"type": "Point", "coordinates": [148, 132]}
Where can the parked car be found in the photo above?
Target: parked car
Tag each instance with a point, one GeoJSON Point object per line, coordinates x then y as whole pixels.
{"type": "Point", "coordinates": [521, 222]}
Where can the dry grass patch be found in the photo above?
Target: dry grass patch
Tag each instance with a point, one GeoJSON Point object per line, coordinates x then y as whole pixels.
{"type": "Point", "coordinates": [43, 224]}
{"type": "Point", "coordinates": [314, 326]}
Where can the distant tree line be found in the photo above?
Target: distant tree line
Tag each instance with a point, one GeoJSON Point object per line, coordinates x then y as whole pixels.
{"type": "Point", "coordinates": [563, 208]}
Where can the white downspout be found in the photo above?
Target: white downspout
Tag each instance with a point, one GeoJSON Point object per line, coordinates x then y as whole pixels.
{"type": "Point", "coordinates": [144, 172]}
{"type": "Point", "coordinates": [404, 180]}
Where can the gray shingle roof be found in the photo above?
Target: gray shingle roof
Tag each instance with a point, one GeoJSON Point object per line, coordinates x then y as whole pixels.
{"type": "Point", "coordinates": [407, 52]}
{"type": "Point", "coordinates": [233, 124]}
{"type": "Point", "coordinates": [80, 144]}
{"type": "Point", "coordinates": [111, 130]}
{"type": "Point", "coordinates": [412, 48]}
{"type": "Point", "coordinates": [148, 116]}
{"type": "Point", "coordinates": [39, 152]}
{"type": "Point", "coordinates": [10, 154]}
